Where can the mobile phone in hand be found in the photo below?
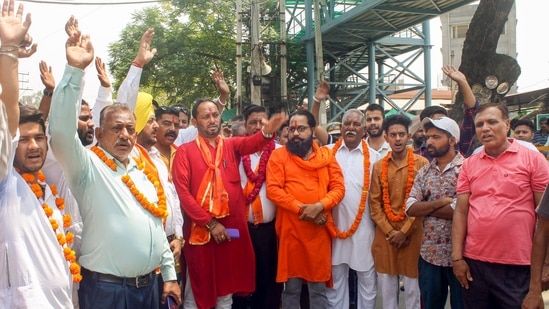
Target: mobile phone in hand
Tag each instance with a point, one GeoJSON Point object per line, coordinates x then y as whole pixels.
{"type": "Point", "coordinates": [233, 233]}
{"type": "Point", "coordinates": [172, 304]}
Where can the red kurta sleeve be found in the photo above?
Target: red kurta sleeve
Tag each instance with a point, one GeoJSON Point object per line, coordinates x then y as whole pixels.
{"type": "Point", "coordinates": [250, 144]}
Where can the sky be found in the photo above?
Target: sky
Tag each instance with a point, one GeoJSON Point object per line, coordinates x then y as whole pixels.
{"type": "Point", "coordinates": [104, 23]}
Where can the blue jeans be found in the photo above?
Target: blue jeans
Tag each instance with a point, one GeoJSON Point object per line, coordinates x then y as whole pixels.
{"type": "Point", "coordinates": [433, 284]}
{"type": "Point", "coordinates": [94, 294]}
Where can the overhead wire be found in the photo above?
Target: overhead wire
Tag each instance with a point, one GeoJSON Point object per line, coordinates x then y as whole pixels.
{"type": "Point", "coordinates": [95, 2]}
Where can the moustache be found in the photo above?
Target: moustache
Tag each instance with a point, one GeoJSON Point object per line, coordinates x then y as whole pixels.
{"type": "Point", "coordinates": [34, 153]}
{"type": "Point", "coordinates": [170, 134]}
{"type": "Point", "coordinates": [122, 143]}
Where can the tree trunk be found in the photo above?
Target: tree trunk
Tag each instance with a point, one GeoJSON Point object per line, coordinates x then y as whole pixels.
{"type": "Point", "coordinates": [479, 58]}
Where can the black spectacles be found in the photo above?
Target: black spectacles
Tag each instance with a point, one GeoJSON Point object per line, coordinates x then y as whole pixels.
{"type": "Point", "coordinates": [299, 129]}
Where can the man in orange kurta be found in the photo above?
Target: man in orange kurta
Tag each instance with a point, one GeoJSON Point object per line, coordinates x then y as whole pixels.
{"type": "Point", "coordinates": [305, 182]}
{"type": "Point", "coordinates": [398, 238]}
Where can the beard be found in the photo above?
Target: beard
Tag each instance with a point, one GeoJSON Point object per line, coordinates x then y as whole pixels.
{"type": "Point", "coordinates": [418, 141]}
{"type": "Point", "coordinates": [85, 136]}
{"type": "Point", "coordinates": [376, 134]}
{"type": "Point", "coordinates": [299, 146]}
{"type": "Point", "coordinates": [438, 152]}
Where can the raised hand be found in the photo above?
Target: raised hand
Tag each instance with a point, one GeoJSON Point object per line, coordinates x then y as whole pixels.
{"type": "Point", "coordinates": [220, 83]}
{"type": "Point", "coordinates": [322, 91]}
{"type": "Point", "coordinates": [71, 27]}
{"type": "Point", "coordinates": [270, 126]}
{"type": "Point", "coordinates": [13, 31]}
{"type": "Point", "coordinates": [454, 73]}
{"type": "Point", "coordinates": [145, 54]}
{"type": "Point", "coordinates": [102, 73]}
{"type": "Point", "coordinates": [79, 50]}
{"type": "Point", "coordinates": [46, 76]}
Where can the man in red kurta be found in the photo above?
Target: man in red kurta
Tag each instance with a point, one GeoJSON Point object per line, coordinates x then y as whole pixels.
{"type": "Point", "coordinates": [305, 182]}
{"type": "Point", "coordinates": [207, 180]}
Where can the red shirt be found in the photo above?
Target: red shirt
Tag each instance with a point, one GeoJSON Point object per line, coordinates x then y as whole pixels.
{"type": "Point", "coordinates": [501, 218]}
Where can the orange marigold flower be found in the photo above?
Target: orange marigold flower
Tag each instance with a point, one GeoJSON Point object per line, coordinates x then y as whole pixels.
{"type": "Point", "coordinates": [48, 210]}
{"type": "Point", "coordinates": [71, 257]}
{"type": "Point", "coordinates": [67, 220]}
{"type": "Point", "coordinates": [75, 268]}
{"type": "Point", "coordinates": [53, 189]}
{"type": "Point", "coordinates": [28, 177]}
{"type": "Point", "coordinates": [54, 224]}
{"type": "Point", "coordinates": [60, 202]}
{"type": "Point", "coordinates": [69, 237]}
{"type": "Point", "coordinates": [61, 239]}
{"type": "Point", "coordinates": [41, 176]}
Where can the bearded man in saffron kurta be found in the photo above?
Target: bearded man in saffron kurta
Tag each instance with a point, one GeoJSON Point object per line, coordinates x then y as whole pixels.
{"type": "Point", "coordinates": [397, 238]}
{"type": "Point", "coordinates": [207, 181]}
{"type": "Point", "coordinates": [305, 182]}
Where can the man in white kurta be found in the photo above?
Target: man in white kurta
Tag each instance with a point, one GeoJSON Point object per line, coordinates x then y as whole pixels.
{"type": "Point", "coordinates": [33, 269]}
{"type": "Point", "coordinates": [353, 252]}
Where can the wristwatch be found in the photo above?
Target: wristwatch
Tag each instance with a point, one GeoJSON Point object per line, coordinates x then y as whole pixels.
{"type": "Point", "coordinates": [48, 93]}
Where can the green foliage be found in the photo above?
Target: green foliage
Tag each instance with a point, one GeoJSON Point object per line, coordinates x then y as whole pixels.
{"type": "Point", "coordinates": [190, 41]}
{"type": "Point", "coordinates": [192, 36]}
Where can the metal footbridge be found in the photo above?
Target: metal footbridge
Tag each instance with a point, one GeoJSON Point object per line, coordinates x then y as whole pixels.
{"type": "Point", "coordinates": [368, 48]}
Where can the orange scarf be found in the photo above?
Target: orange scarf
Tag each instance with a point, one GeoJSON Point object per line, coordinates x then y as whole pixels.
{"type": "Point", "coordinates": [319, 163]}
{"type": "Point", "coordinates": [211, 195]}
{"type": "Point", "coordinates": [145, 159]}
{"type": "Point", "coordinates": [257, 207]}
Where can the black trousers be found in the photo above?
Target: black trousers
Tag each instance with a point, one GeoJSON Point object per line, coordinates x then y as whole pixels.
{"type": "Point", "coordinates": [267, 291]}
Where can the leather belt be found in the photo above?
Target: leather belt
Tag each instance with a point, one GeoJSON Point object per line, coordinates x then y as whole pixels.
{"type": "Point", "coordinates": [138, 282]}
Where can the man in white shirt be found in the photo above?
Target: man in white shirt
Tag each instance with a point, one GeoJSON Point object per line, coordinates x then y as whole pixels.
{"type": "Point", "coordinates": [374, 119]}
{"type": "Point", "coordinates": [146, 127]}
{"type": "Point", "coordinates": [352, 228]}
{"type": "Point", "coordinates": [33, 269]}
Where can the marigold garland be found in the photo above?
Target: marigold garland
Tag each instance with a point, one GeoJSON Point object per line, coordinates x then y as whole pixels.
{"type": "Point", "coordinates": [161, 209]}
{"type": "Point", "coordinates": [385, 185]}
{"type": "Point", "coordinates": [332, 228]}
{"type": "Point", "coordinates": [257, 178]}
{"type": "Point", "coordinates": [109, 162]}
{"type": "Point", "coordinates": [35, 184]}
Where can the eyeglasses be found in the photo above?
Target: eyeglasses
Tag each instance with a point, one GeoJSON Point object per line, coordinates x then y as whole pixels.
{"type": "Point", "coordinates": [299, 129]}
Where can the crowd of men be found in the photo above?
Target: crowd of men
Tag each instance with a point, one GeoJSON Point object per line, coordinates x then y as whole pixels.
{"type": "Point", "coordinates": [156, 206]}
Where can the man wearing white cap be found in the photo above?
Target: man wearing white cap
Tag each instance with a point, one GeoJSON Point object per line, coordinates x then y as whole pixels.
{"type": "Point", "coordinates": [433, 197]}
